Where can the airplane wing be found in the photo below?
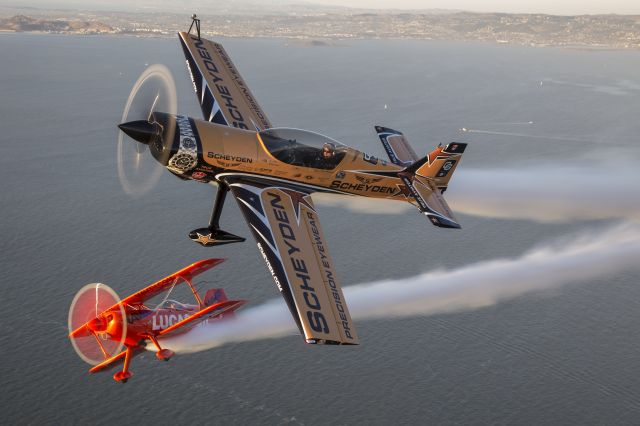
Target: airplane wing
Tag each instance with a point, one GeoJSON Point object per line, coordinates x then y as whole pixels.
{"type": "Point", "coordinates": [108, 363]}
{"type": "Point", "coordinates": [285, 225]}
{"type": "Point", "coordinates": [156, 288]}
{"type": "Point", "coordinates": [162, 285]}
{"type": "Point", "coordinates": [224, 96]}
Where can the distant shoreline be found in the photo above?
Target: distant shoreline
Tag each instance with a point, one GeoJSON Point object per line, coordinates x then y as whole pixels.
{"type": "Point", "coordinates": [592, 32]}
{"type": "Point", "coordinates": [331, 41]}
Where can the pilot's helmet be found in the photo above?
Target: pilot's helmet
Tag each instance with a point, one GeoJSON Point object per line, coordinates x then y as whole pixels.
{"type": "Point", "coordinates": [328, 150]}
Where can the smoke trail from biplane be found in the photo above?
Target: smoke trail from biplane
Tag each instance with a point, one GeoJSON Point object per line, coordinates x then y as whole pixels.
{"type": "Point", "coordinates": [546, 193]}
{"type": "Point", "coordinates": [588, 257]}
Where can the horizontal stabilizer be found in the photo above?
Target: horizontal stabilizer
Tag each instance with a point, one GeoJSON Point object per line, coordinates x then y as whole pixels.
{"type": "Point", "coordinates": [397, 146]}
{"type": "Point", "coordinates": [430, 201]}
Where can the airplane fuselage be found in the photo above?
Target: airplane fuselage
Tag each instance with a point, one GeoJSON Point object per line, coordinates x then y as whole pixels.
{"type": "Point", "coordinates": [221, 151]}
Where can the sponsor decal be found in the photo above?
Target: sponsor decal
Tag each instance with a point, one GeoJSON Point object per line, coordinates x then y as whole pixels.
{"type": "Point", "coordinates": [188, 143]}
{"type": "Point", "coordinates": [225, 157]}
{"type": "Point", "coordinates": [242, 86]}
{"type": "Point", "coordinates": [338, 184]}
{"type": "Point", "coordinates": [423, 204]}
{"type": "Point", "coordinates": [340, 175]}
{"type": "Point", "coordinates": [444, 170]}
{"type": "Point", "coordinates": [198, 175]}
{"type": "Point", "coordinates": [327, 271]}
{"type": "Point", "coordinates": [229, 104]}
{"type": "Point", "coordinates": [205, 168]}
{"type": "Point", "coordinates": [455, 148]}
{"type": "Point", "coordinates": [186, 157]}
{"type": "Point", "coordinates": [271, 270]}
{"type": "Point", "coordinates": [302, 279]}
{"type": "Point", "coordinates": [182, 162]}
{"type": "Point", "coordinates": [369, 158]}
{"type": "Point", "coordinates": [193, 80]}
{"type": "Point", "coordinates": [366, 180]}
{"type": "Point", "coordinates": [160, 322]}
{"type": "Point", "coordinates": [390, 152]}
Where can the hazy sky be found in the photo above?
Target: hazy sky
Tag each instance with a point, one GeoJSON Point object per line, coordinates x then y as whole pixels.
{"type": "Point", "coordinates": [557, 7]}
{"type": "Point", "coordinates": [565, 7]}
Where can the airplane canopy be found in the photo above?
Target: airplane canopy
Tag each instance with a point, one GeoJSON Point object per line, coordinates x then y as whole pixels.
{"type": "Point", "coordinates": [303, 148]}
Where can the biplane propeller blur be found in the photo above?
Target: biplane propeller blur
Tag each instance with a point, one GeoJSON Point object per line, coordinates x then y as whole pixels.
{"type": "Point", "coordinates": [272, 172]}
{"type": "Point", "coordinates": [105, 330]}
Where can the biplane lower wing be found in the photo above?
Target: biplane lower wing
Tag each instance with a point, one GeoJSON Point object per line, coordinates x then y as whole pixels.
{"type": "Point", "coordinates": [112, 362]}
{"type": "Point", "coordinates": [223, 94]}
{"type": "Point", "coordinates": [285, 225]}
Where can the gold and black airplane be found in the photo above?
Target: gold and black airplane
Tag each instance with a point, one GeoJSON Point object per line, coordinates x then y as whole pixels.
{"type": "Point", "coordinates": [272, 172]}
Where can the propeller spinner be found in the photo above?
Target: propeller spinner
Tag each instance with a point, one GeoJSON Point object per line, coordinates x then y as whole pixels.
{"type": "Point", "coordinates": [146, 122]}
{"type": "Point", "coordinates": [107, 328]}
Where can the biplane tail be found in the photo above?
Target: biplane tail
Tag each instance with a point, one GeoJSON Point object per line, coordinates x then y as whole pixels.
{"type": "Point", "coordinates": [428, 178]}
{"type": "Point", "coordinates": [214, 295]}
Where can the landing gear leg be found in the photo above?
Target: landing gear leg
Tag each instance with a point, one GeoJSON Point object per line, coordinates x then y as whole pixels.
{"type": "Point", "coordinates": [213, 235]}
{"type": "Point", "coordinates": [162, 354]}
{"type": "Point", "coordinates": [125, 374]}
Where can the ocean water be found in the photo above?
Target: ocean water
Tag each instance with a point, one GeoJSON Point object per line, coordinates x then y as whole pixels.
{"type": "Point", "coordinates": [561, 357]}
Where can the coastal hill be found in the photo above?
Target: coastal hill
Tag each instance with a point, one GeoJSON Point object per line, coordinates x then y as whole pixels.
{"type": "Point", "coordinates": [20, 23]}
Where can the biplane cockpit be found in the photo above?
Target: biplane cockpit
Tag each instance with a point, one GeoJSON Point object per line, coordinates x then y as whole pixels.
{"type": "Point", "coordinates": [172, 304]}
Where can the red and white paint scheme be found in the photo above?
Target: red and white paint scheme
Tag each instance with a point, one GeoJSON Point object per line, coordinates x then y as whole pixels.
{"type": "Point", "coordinates": [105, 330]}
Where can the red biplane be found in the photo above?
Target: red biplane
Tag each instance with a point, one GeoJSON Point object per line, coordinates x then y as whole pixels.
{"type": "Point", "coordinates": [105, 330]}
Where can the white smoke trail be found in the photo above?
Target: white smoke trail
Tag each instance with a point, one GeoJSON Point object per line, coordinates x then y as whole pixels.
{"type": "Point", "coordinates": [530, 136]}
{"type": "Point", "coordinates": [543, 193]}
{"type": "Point", "coordinates": [549, 194]}
{"type": "Point", "coordinates": [589, 257]}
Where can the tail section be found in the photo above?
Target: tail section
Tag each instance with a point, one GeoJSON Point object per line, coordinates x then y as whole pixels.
{"type": "Point", "coordinates": [428, 178]}
{"type": "Point", "coordinates": [440, 164]}
{"type": "Point", "coordinates": [214, 295]}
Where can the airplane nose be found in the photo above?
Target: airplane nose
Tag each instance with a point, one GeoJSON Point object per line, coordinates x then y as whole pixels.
{"type": "Point", "coordinates": [141, 130]}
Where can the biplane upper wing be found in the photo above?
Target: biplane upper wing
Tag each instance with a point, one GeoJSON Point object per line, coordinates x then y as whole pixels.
{"type": "Point", "coordinates": [162, 285]}
{"type": "Point", "coordinates": [223, 94]}
{"type": "Point", "coordinates": [285, 225]}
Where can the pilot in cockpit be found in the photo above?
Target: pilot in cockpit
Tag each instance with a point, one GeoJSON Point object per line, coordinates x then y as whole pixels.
{"type": "Point", "coordinates": [328, 151]}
